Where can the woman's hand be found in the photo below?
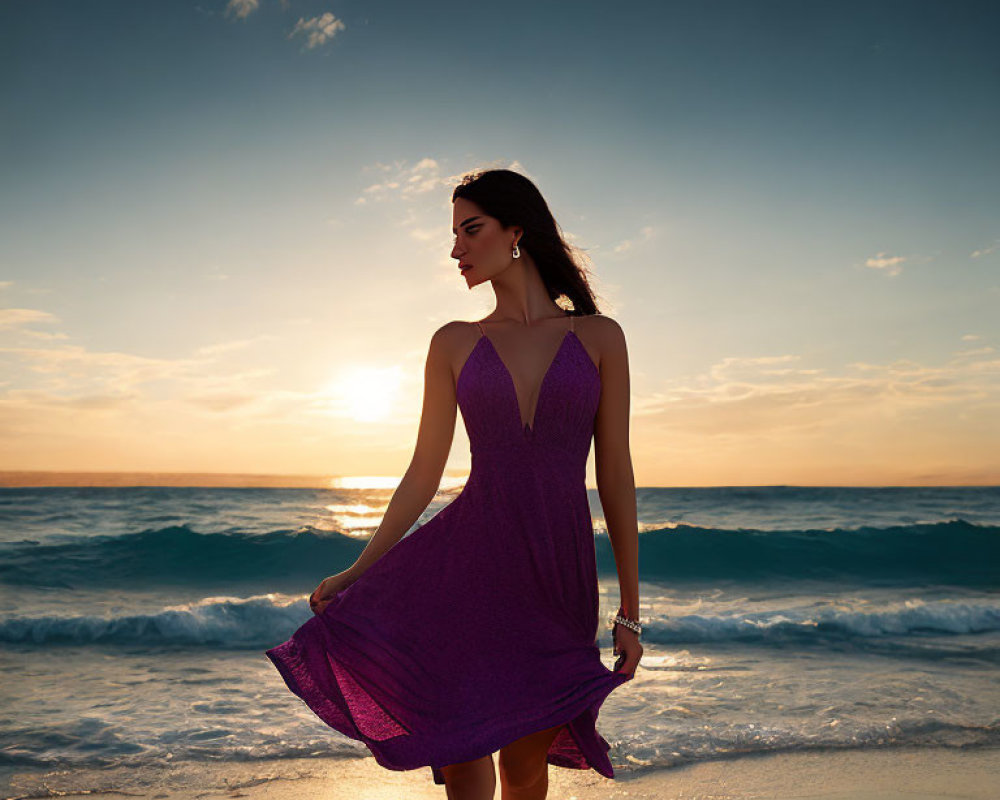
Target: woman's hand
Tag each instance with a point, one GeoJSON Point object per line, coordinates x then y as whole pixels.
{"type": "Point", "coordinates": [324, 593]}
{"type": "Point", "coordinates": [627, 648]}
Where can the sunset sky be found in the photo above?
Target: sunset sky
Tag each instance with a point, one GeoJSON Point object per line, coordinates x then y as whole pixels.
{"type": "Point", "coordinates": [225, 227]}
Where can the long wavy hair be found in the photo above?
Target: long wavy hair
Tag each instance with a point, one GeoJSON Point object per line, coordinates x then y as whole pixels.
{"type": "Point", "coordinates": [513, 199]}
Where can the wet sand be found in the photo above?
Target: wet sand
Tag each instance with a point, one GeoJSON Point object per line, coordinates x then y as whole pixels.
{"type": "Point", "coordinates": [888, 774]}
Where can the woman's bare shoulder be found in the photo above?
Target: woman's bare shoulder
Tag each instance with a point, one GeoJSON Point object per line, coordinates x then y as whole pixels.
{"type": "Point", "coordinates": [454, 332]}
{"type": "Point", "coordinates": [601, 321]}
{"type": "Point", "coordinates": [604, 330]}
{"type": "Point", "coordinates": [453, 341]}
{"type": "Point", "coordinates": [602, 336]}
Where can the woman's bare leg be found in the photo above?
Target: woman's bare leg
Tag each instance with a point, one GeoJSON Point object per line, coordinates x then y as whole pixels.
{"type": "Point", "coordinates": [470, 780]}
{"type": "Point", "coordinates": [524, 773]}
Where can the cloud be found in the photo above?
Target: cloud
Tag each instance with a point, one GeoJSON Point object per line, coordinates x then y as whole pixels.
{"type": "Point", "coordinates": [32, 399]}
{"type": "Point", "coordinates": [976, 351]}
{"type": "Point", "coordinates": [44, 335]}
{"type": "Point", "coordinates": [984, 252]}
{"type": "Point", "coordinates": [62, 396]}
{"type": "Point", "coordinates": [241, 9]}
{"type": "Point", "coordinates": [891, 264]}
{"type": "Point", "coordinates": [416, 182]}
{"type": "Point", "coordinates": [11, 318]}
{"type": "Point", "coordinates": [67, 365]}
{"type": "Point", "coordinates": [235, 344]}
{"type": "Point", "coordinates": [407, 182]}
{"type": "Point", "coordinates": [769, 394]}
{"type": "Point", "coordinates": [645, 234]}
{"type": "Point", "coordinates": [318, 30]}
{"type": "Point", "coordinates": [221, 402]}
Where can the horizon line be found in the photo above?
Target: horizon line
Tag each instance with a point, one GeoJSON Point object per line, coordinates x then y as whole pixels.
{"type": "Point", "coordinates": [13, 479]}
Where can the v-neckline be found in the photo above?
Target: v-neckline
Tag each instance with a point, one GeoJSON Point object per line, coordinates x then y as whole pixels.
{"type": "Point", "coordinates": [527, 427]}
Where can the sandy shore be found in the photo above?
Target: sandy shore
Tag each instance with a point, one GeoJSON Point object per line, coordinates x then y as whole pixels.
{"type": "Point", "coordinates": [888, 774]}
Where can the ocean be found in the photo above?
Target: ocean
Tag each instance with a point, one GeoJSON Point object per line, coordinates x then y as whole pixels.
{"type": "Point", "coordinates": [133, 622]}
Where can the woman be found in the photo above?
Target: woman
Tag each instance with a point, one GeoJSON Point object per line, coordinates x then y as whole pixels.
{"type": "Point", "coordinates": [476, 633]}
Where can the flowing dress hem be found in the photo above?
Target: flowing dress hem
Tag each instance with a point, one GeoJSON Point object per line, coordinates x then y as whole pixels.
{"type": "Point", "coordinates": [287, 659]}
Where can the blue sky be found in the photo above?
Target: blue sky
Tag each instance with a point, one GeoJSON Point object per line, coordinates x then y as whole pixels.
{"type": "Point", "coordinates": [224, 223]}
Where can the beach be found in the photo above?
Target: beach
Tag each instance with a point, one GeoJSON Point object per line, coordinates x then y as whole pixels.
{"type": "Point", "coordinates": [933, 773]}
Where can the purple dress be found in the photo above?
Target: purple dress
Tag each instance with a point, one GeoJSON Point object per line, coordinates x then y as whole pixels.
{"type": "Point", "coordinates": [479, 627]}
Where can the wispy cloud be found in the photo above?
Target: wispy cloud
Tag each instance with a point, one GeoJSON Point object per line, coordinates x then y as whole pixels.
{"type": "Point", "coordinates": [317, 30]}
{"type": "Point", "coordinates": [773, 393]}
{"type": "Point", "coordinates": [892, 265]}
{"type": "Point", "coordinates": [46, 336]}
{"type": "Point", "coordinates": [241, 9]}
{"type": "Point", "coordinates": [70, 363]}
{"type": "Point", "coordinates": [16, 321]}
{"type": "Point", "coordinates": [235, 344]}
{"type": "Point", "coordinates": [984, 251]}
{"type": "Point", "coordinates": [645, 234]}
{"type": "Point", "coordinates": [11, 318]}
{"type": "Point", "coordinates": [401, 181]}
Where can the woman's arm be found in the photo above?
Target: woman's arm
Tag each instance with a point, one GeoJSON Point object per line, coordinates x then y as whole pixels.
{"type": "Point", "coordinates": [421, 480]}
{"type": "Point", "coordinates": [615, 480]}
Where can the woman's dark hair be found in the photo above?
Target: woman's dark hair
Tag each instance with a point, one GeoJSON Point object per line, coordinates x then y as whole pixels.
{"type": "Point", "coordinates": [514, 200]}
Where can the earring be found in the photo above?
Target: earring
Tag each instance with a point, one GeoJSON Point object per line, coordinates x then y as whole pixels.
{"type": "Point", "coordinates": [517, 251]}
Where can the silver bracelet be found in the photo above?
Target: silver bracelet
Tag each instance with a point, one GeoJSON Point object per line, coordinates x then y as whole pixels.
{"type": "Point", "coordinates": [634, 625]}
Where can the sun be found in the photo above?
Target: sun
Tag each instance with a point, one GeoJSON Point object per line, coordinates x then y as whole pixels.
{"type": "Point", "coordinates": [363, 393]}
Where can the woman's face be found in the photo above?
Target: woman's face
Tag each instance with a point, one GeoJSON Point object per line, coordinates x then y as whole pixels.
{"type": "Point", "coordinates": [480, 242]}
